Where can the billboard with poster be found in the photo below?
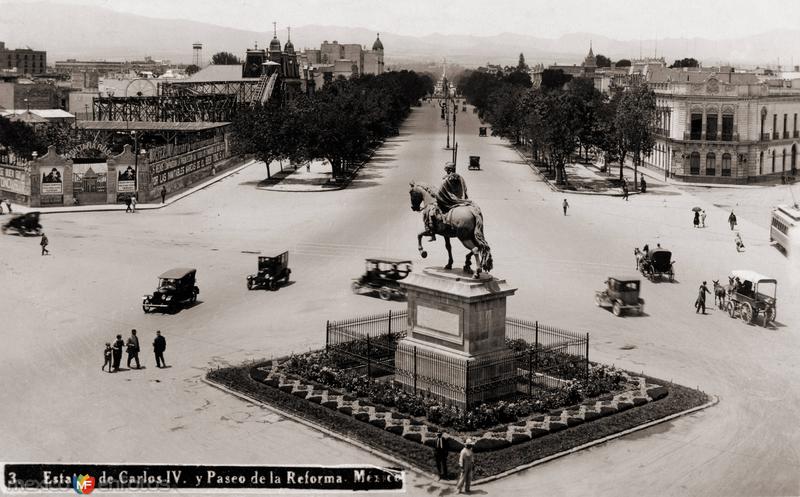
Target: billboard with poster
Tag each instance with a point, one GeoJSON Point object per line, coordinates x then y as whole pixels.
{"type": "Point", "coordinates": [52, 181]}
{"type": "Point", "coordinates": [126, 180]}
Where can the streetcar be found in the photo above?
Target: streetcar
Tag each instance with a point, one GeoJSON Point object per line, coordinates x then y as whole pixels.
{"type": "Point", "coordinates": [784, 227]}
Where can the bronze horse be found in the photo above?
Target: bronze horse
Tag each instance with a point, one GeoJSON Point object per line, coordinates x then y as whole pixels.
{"type": "Point", "coordinates": [464, 222]}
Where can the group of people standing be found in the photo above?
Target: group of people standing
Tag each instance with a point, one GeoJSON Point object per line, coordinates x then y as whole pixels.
{"type": "Point", "coordinates": [466, 462]}
{"type": "Point", "coordinates": [112, 354]}
{"type": "Point", "coordinates": [8, 206]}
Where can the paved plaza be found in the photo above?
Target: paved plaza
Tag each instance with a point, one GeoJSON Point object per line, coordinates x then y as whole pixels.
{"type": "Point", "coordinates": [59, 310]}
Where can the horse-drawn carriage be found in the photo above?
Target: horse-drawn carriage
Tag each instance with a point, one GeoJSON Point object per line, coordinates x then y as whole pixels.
{"type": "Point", "coordinates": [383, 276]}
{"type": "Point", "coordinates": [747, 296]}
{"type": "Point", "coordinates": [474, 163]}
{"type": "Point", "coordinates": [658, 263]}
{"type": "Point", "coordinates": [24, 224]}
{"type": "Point", "coordinates": [621, 294]}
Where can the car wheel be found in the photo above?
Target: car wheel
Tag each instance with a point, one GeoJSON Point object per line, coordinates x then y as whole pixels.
{"type": "Point", "coordinates": [616, 309]}
{"type": "Point", "coordinates": [384, 293]}
{"type": "Point", "coordinates": [273, 285]}
{"type": "Point", "coordinates": [355, 287]}
{"type": "Point", "coordinates": [146, 308]}
{"type": "Point", "coordinates": [598, 300]}
{"type": "Point", "coordinates": [731, 310]}
{"type": "Point", "coordinates": [250, 284]}
{"type": "Point", "coordinates": [746, 313]}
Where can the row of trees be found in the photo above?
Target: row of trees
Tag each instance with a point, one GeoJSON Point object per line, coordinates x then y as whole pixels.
{"type": "Point", "coordinates": [340, 122]}
{"type": "Point", "coordinates": [566, 115]}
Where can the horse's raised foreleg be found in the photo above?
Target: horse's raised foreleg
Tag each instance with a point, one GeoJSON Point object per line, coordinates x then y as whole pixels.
{"type": "Point", "coordinates": [449, 253]}
{"type": "Point", "coordinates": [422, 251]}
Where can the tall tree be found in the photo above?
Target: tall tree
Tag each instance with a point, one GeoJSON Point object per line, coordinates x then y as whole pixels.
{"type": "Point", "coordinates": [521, 65]}
{"type": "Point", "coordinates": [554, 79]}
{"type": "Point", "coordinates": [602, 61]}
{"type": "Point", "coordinates": [623, 63]}
{"type": "Point", "coordinates": [225, 58]}
{"type": "Point", "coordinates": [585, 101]}
{"type": "Point", "coordinates": [636, 120]}
{"type": "Point", "coordinates": [20, 138]}
{"type": "Point", "coordinates": [685, 62]}
{"type": "Point", "coordinates": [191, 69]}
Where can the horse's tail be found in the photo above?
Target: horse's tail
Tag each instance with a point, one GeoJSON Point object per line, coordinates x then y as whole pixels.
{"type": "Point", "coordinates": [480, 240]}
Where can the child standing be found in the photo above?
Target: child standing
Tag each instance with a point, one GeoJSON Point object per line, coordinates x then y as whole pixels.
{"type": "Point", "coordinates": [107, 357]}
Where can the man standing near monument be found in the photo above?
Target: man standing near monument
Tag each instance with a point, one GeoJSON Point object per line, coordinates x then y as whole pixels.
{"type": "Point", "coordinates": [440, 454]}
{"type": "Point", "coordinates": [466, 461]}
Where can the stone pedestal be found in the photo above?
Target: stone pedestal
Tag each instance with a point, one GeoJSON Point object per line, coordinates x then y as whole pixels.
{"type": "Point", "coordinates": [455, 348]}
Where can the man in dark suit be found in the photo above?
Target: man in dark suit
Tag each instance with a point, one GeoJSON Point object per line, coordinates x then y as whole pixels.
{"type": "Point", "coordinates": [117, 354]}
{"type": "Point", "coordinates": [133, 349]}
{"type": "Point", "coordinates": [440, 454]}
{"type": "Point", "coordinates": [159, 346]}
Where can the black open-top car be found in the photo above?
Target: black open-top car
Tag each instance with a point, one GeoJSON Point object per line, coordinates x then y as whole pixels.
{"type": "Point", "coordinates": [383, 275]}
{"type": "Point", "coordinates": [24, 224]}
{"type": "Point", "coordinates": [176, 287]}
{"type": "Point", "coordinates": [271, 271]}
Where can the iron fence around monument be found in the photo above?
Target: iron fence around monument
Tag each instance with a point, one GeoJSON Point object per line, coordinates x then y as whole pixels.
{"type": "Point", "coordinates": [538, 356]}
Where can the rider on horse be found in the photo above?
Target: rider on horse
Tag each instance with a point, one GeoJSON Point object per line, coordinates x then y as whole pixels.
{"type": "Point", "coordinates": [452, 193]}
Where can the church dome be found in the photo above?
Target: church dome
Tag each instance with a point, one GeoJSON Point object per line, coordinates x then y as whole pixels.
{"type": "Point", "coordinates": [275, 45]}
{"type": "Point", "coordinates": [289, 47]}
{"type": "Point", "coordinates": [378, 45]}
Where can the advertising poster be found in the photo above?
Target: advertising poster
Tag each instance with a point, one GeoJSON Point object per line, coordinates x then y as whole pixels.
{"type": "Point", "coordinates": [89, 178]}
{"type": "Point", "coordinates": [126, 181]}
{"type": "Point", "coordinates": [52, 181]}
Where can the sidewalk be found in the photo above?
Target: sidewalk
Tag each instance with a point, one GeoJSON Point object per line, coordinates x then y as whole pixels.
{"type": "Point", "coordinates": [315, 177]}
{"type": "Point", "coordinates": [21, 209]}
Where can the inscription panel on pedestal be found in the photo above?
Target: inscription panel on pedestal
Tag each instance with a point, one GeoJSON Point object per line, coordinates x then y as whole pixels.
{"type": "Point", "coordinates": [439, 323]}
{"type": "Point", "coordinates": [438, 320]}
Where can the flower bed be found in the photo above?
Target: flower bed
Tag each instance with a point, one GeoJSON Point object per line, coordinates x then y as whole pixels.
{"type": "Point", "coordinates": [522, 443]}
{"type": "Point", "coordinates": [322, 369]}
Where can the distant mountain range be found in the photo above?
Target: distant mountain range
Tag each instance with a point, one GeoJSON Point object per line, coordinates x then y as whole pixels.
{"type": "Point", "coordinates": [84, 32]}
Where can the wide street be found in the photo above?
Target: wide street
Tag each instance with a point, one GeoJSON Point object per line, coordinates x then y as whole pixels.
{"type": "Point", "coordinates": [58, 311]}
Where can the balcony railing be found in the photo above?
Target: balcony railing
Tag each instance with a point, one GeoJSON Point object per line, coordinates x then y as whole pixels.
{"type": "Point", "coordinates": [785, 135]}
{"type": "Point", "coordinates": [776, 135]}
{"type": "Point", "coordinates": [764, 137]}
{"type": "Point", "coordinates": [729, 137]}
{"type": "Point", "coordinates": [711, 137]}
{"type": "Point", "coordinates": [796, 134]}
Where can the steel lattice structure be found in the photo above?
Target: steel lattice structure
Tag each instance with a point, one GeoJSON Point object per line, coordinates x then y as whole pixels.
{"type": "Point", "coordinates": [215, 101]}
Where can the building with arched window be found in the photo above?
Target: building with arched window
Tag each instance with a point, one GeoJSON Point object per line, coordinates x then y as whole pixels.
{"type": "Point", "coordinates": [720, 126]}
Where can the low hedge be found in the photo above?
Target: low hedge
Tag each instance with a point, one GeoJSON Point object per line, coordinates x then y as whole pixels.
{"type": "Point", "coordinates": [240, 379]}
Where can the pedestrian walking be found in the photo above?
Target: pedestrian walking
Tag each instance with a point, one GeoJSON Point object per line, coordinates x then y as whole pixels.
{"type": "Point", "coordinates": [133, 349]}
{"type": "Point", "coordinates": [127, 204]}
{"type": "Point", "coordinates": [644, 185]}
{"type": "Point", "coordinates": [696, 219]}
{"type": "Point", "coordinates": [107, 357]}
{"type": "Point", "coordinates": [738, 241]}
{"type": "Point", "coordinates": [8, 206]}
{"type": "Point", "coordinates": [700, 303]}
{"type": "Point", "coordinates": [732, 220]}
{"type": "Point", "coordinates": [703, 219]}
{"type": "Point", "coordinates": [133, 203]}
{"type": "Point", "coordinates": [159, 346]}
{"type": "Point", "coordinates": [625, 190]}
{"type": "Point", "coordinates": [117, 352]}
{"type": "Point", "coordinates": [308, 167]}
{"type": "Point", "coordinates": [163, 194]}
{"type": "Point", "coordinates": [565, 204]}
{"type": "Point", "coordinates": [44, 243]}
{"type": "Point", "coordinates": [440, 454]}
{"type": "Point", "coordinates": [466, 461]}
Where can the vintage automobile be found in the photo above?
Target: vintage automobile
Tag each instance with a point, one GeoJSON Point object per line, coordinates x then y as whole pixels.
{"type": "Point", "coordinates": [383, 276]}
{"type": "Point", "coordinates": [753, 295]}
{"type": "Point", "coordinates": [271, 271]}
{"type": "Point", "coordinates": [25, 224]}
{"type": "Point", "coordinates": [621, 294]}
{"type": "Point", "coordinates": [658, 263]}
{"type": "Point", "coordinates": [176, 287]}
{"type": "Point", "coordinates": [474, 162]}
{"type": "Point", "coordinates": [482, 131]}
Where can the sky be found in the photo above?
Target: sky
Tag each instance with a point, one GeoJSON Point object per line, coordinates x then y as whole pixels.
{"type": "Point", "coordinates": [618, 19]}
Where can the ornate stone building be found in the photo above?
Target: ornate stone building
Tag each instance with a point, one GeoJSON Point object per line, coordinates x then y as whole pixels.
{"type": "Point", "coordinates": [719, 126]}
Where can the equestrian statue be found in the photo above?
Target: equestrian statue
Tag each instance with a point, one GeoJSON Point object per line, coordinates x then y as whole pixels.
{"type": "Point", "coordinates": [448, 212]}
